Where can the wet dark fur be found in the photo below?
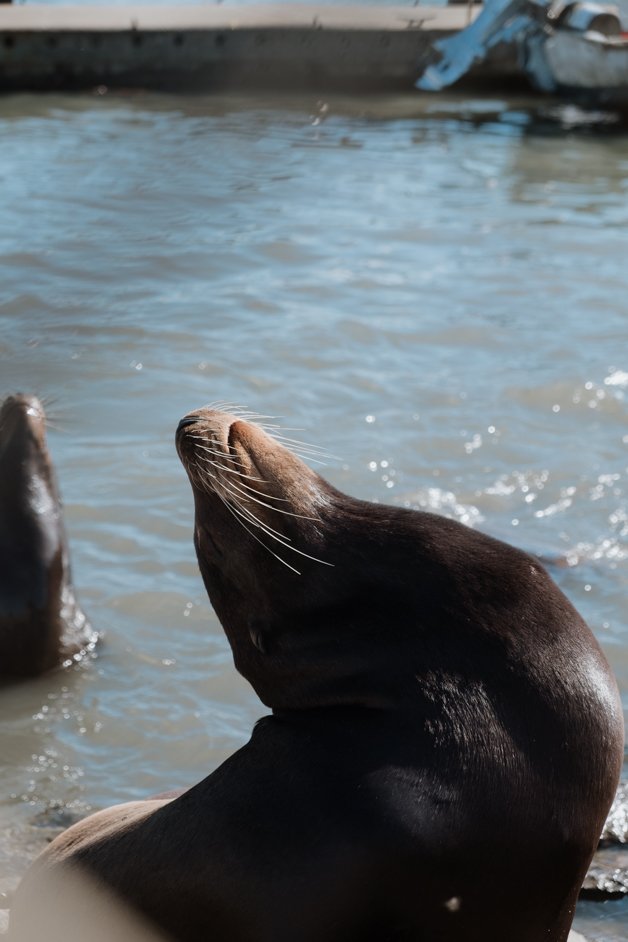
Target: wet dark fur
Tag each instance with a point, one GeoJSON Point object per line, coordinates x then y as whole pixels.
{"type": "Point", "coordinates": [41, 624]}
{"type": "Point", "coordinates": [445, 742]}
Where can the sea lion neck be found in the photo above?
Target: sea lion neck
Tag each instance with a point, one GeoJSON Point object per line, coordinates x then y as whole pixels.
{"type": "Point", "coordinates": [364, 631]}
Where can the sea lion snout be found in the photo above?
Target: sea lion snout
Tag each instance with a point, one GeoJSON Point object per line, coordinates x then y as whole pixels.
{"type": "Point", "coordinates": [205, 424]}
{"type": "Point", "coordinates": [21, 404]}
{"type": "Point", "coordinates": [185, 422]}
{"type": "Point", "coordinates": [269, 493]}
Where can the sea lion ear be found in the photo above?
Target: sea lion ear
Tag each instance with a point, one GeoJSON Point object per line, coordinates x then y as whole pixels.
{"type": "Point", "coordinates": [259, 635]}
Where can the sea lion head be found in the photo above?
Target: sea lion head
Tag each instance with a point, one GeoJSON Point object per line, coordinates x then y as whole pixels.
{"type": "Point", "coordinates": [23, 440]}
{"type": "Point", "coordinates": [40, 621]}
{"type": "Point", "coordinates": [321, 595]}
{"type": "Point", "coordinates": [29, 499]}
{"type": "Point", "coordinates": [270, 534]}
{"type": "Point", "coordinates": [259, 526]}
{"type": "Point", "coordinates": [243, 476]}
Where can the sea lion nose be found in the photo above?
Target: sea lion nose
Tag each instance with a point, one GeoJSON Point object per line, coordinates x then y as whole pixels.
{"type": "Point", "coordinates": [186, 421]}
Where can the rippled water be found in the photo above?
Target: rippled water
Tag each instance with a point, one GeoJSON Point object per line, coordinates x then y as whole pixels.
{"type": "Point", "coordinates": [433, 290]}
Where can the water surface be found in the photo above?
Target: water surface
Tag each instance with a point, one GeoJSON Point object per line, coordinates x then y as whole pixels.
{"type": "Point", "coordinates": [432, 290]}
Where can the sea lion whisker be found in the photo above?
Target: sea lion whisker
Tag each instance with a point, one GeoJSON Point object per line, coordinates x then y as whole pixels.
{"type": "Point", "coordinates": [234, 409]}
{"type": "Point", "coordinates": [280, 538]}
{"type": "Point", "coordinates": [50, 423]}
{"type": "Point", "coordinates": [240, 474]}
{"type": "Point", "coordinates": [217, 454]}
{"type": "Point", "coordinates": [238, 494]}
{"type": "Point", "coordinates": [256, 538]}
{"type": "Point", "coordinates": [296, 445]}
{"type": "Point", "coordinates": [202, 439]}
{"type": "Point", "coordinates": [250, 516]}
{"type": "Point", "coordinates": [296, 441]}
{"type": "Point", "coordinates": [250, 477]}
{"type": "Point", "coordinates": [278, 510]}
{"type": "Point", "coordinates": [253, 490]}
{"type": "Point", "coordinates": [294, 549]}
{"type": "Point", "coordinates": [309, 458]}
{"type": "Point", "coordinates": [272, 535]}
{"type": "Point", "coordinates": [205, 477]}
{"type": "Point", "coordinates": [248, 492]}
{"type": "Point", "coordinates": [247, 477]}
{"type": "Point", "coordinates": [254, 416]}
{"type": "Point", "coordinates": [51, 417]}
{"type": "Point", "coordinates": [304, 450]}
{"type": "Point", "coordinates": [289, 428]}
{"type": "Point", "coordinates": [220, 405]}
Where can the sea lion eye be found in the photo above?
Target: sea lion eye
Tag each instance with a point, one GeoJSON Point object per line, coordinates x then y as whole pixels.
{"type": "Point", "coordinates": [258, 637]}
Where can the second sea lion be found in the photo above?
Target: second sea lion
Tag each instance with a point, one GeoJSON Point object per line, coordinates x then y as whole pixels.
{"type": "Point", "coordinates": [41, 622]}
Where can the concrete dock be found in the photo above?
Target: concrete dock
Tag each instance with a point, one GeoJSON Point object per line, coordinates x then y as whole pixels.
{"type": "Point", "coordinates": [215, 47]}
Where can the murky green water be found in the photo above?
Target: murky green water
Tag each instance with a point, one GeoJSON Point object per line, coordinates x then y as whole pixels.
{"type": "Point", "coordinates": [435, 291]}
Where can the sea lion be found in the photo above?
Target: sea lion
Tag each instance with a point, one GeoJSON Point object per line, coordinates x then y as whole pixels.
{"type": "Point", "coordinates": [445, 738]}
{"type": "Point", "coordinates": [41, 623]}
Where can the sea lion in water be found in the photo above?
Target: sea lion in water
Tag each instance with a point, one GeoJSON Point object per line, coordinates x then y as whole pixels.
{"type": "Point", "coordinates": [41, 623]}
{"type": "Point", "coordinates": [445, 738]}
